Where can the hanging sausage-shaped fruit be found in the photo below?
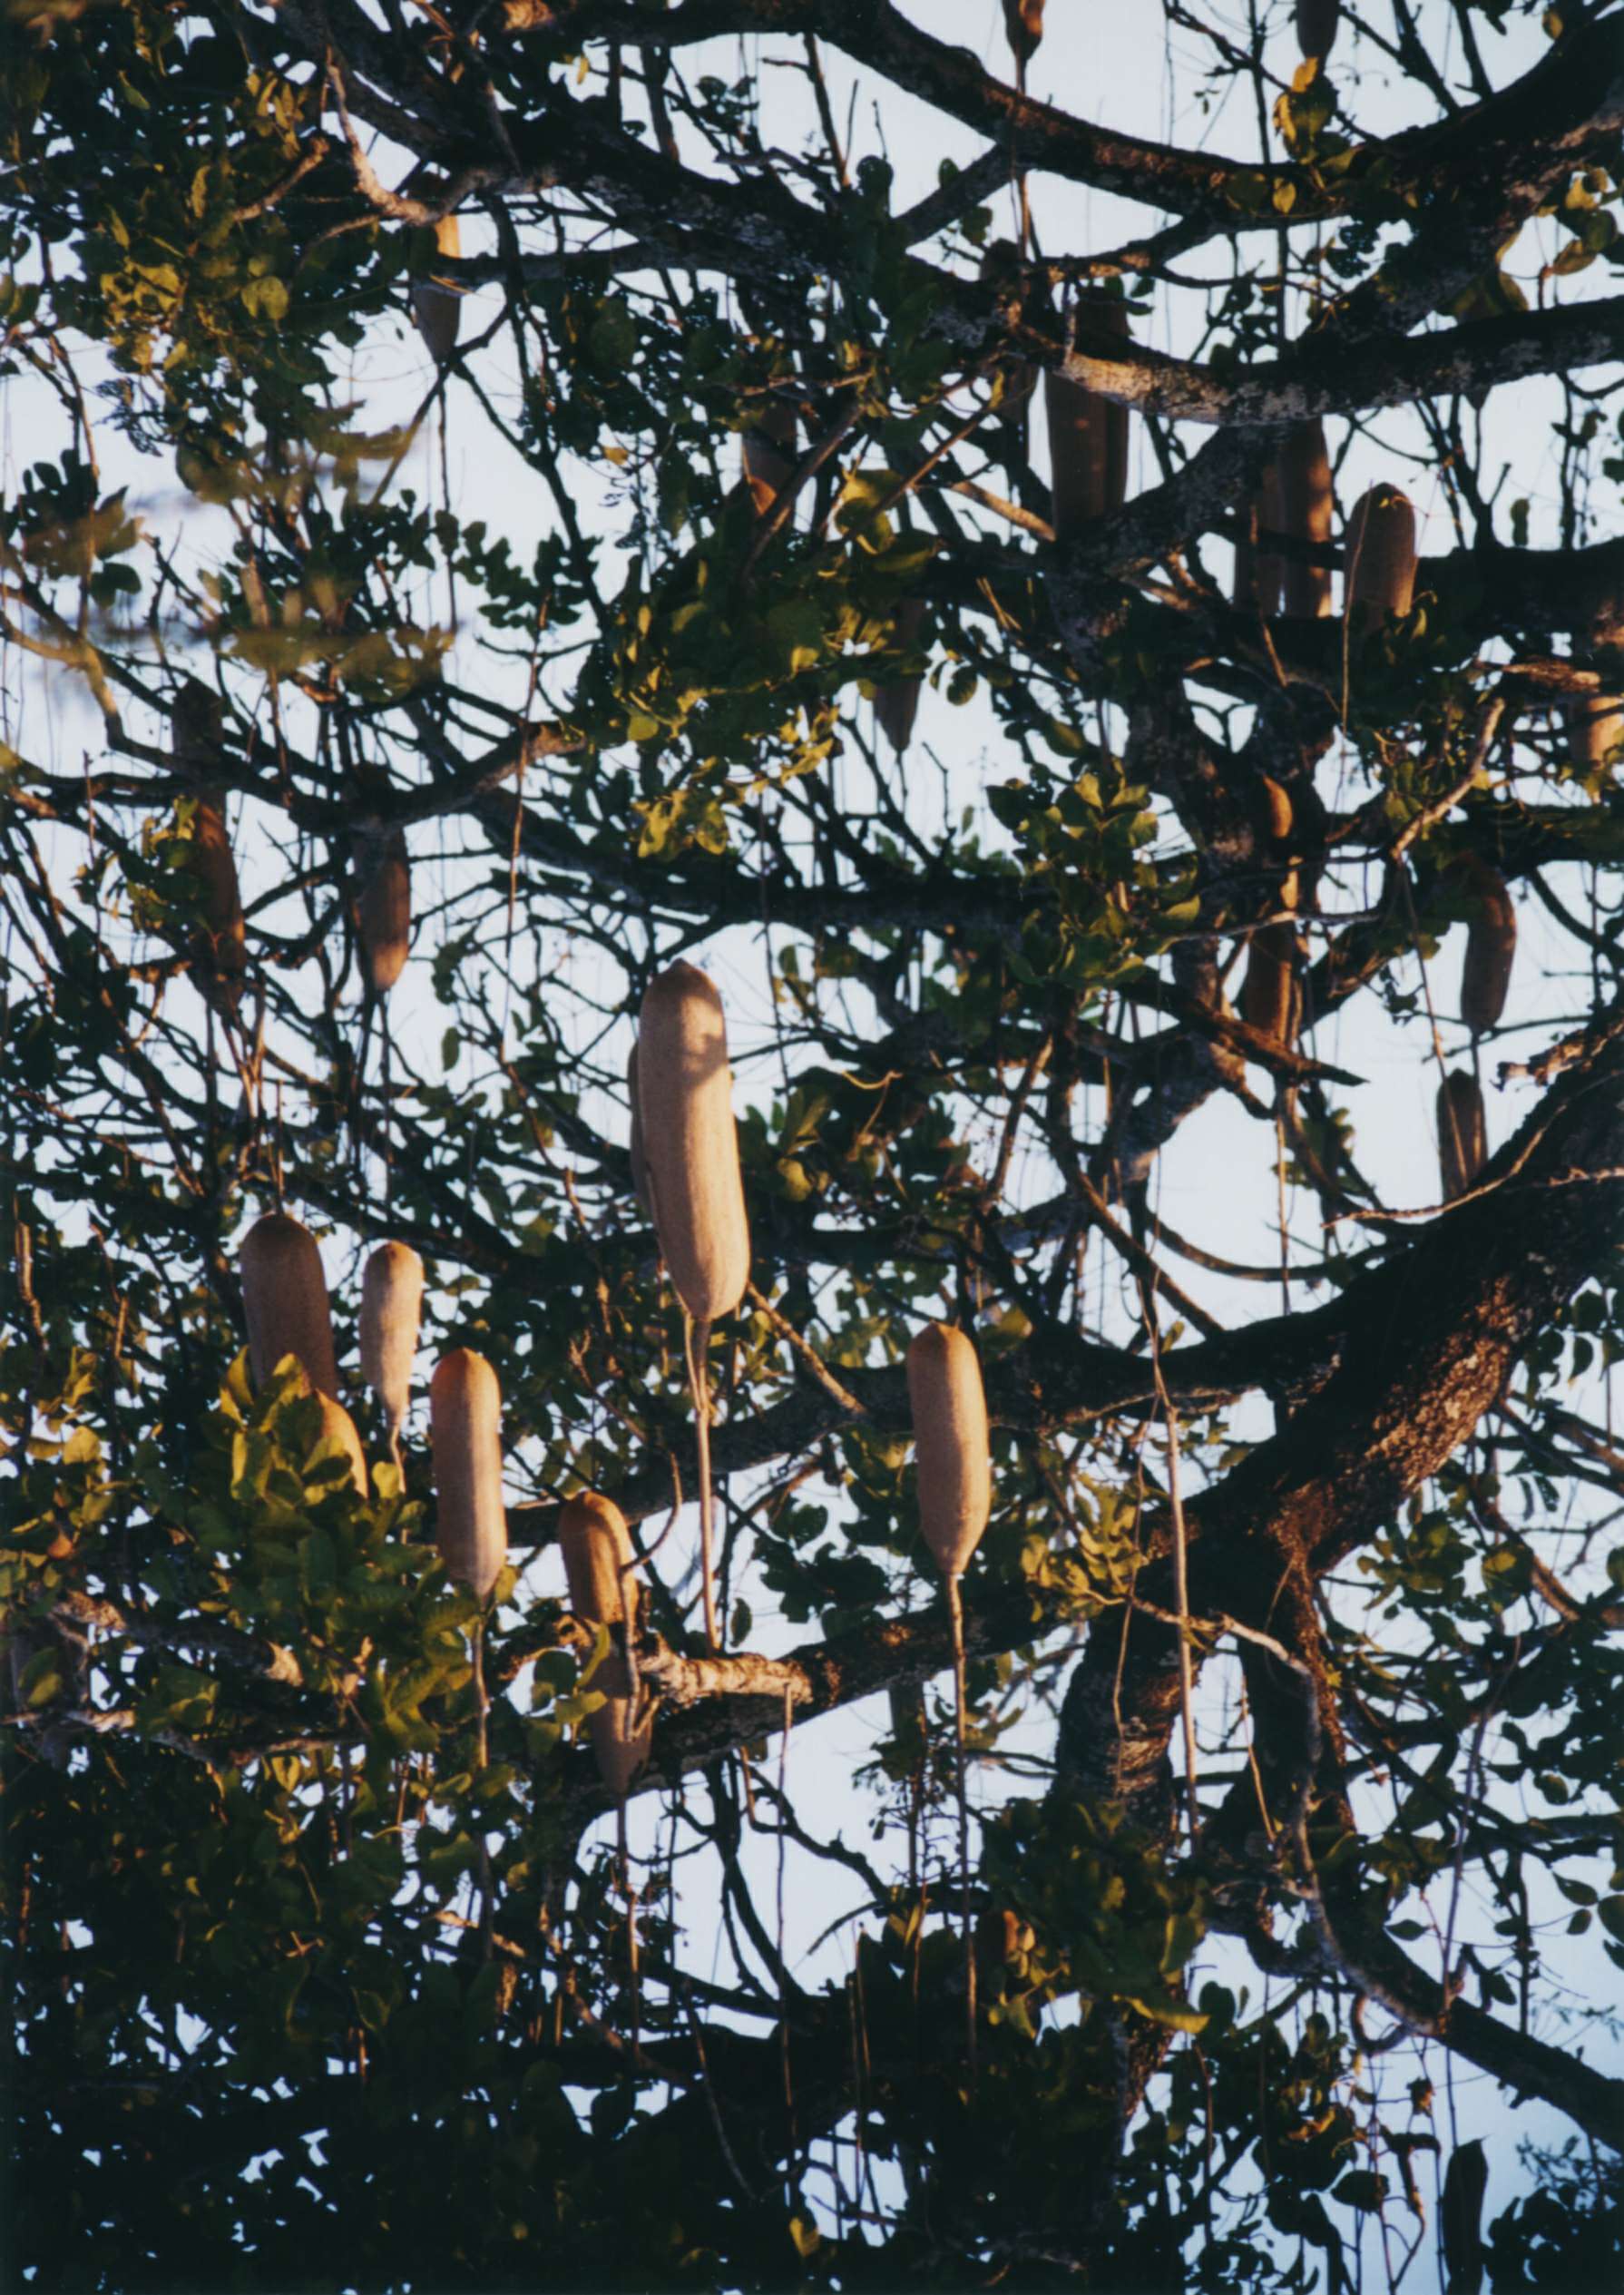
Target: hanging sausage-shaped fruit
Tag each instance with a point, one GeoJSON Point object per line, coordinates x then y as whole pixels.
{"type": "Point", "coordinates": [600, 1568]}
{"type": "Point", "coordinates": [1259, 572]}
{"type": "Point", "coordinates": [217, 946]}
{"type": "Point", "coordinates": [1308, 507]}
{"type": "Point", "coordinates": [1463, 1139]}
{"type": "Point", "coordinates": [896, 702]}
{"type": "Point", "coordinates": [1088, 437]}
{"type": "Point", "coordinates": [436, 303]}
{"type": "Point", "coordinates": [465, 1403]}
{"type": "Point", "coordinates": [768, 453]}
{"type": "Point", "coordinates": [1317, 23]}
{"type": "Point", "coordinates": [953, 1448]}
{"type": "Point", "coordinates": [1380, 579]}
{"type": "Point", "coordinates": [1270, 992]}
{"type": "Point", "coordinates": [1596, 724]}
{"type": "Point", "coordinates": [383, 908]}
{"type": "Point", "coordinates": [1023, 27]}
{"type": "Point", "coordinates": [690, 1157]}
{"type": "Point", "coordinates": [391, 1316]}
{"type": "Point", "coordinates": [285, 1302]}
{"type": "Point", "coordinates": [1490, 944]}
{"type": "Point", "coordinates": [339, 1428]}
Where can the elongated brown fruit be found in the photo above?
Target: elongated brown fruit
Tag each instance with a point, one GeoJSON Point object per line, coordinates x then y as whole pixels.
{"type": "Point", "coordinates": [1258, 570]}
{"type": "Point", "coordinates": [1461, 2218]}
{"type": "Point", "coordinates": [600, 1567]}
{"type": "Point", "coordinates": [1318, 21]}
{"type": "Point", "coordinates": [284, 1298]}
{"type": "Point", "coordinates": [1087, 439]}
{"type": "Point", "coordinates": [909, 1723]}
{"type": "Point", "coordinates": [217, 949]}
{"type": "Point", "coordinates": [465, 1405]}
{"type": "Point", "coordinates": [1024, 26]}
{"type": "Point", "coordinates": [1381, 559]}
{"type": "Point", "coordinates": [1595, 730]}
{"type": "Point", "coordinates": [1277, 813]}
{"type": "Point", "coordinates": [1268, 995]}
{"type": "Point", "coordinates": [1462, 1137]}
{"type": "Point", "coordinates": [1491, 945]}
{"type": "Point", "coordinates": [1002, 267]}
{"type": "Point", "coordinates": [640, 1161]}
{"type": "Point", "coordinates": [337, 1426]}
{"type": "Point", "coordinates": [691, 1142]}
{"type": "Point", "coordinates": [950, 1431]}
{"type": "Point", "coordinates": [391, 1315]}
{"type": "Point", "coordinates": [769, 454]}
{"type": "Point", "coordinates": [197, 729]}
{"type": "Point", "coordinates": [383, 910]}
{"type": "Point", "coordinates": [436, 305]}
{"type": "Point", "coordinates": [1307, 505]}
{"type": "Point", "coordinates": [1001, 1937]}
{"type": "Point", "coordinates": [896, 704]}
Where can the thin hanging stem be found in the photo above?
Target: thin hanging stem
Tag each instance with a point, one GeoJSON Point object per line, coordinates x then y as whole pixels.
{"type": "Point", "coordinates": [955, 1611]}
{"type": "Point", "coordinates": [480, 1701]}
{"type": "Point", "coordinates": [779, 1908]}
{"type": "Point", "coordinates": [1281, 1209]}
{"type": "Point", "coordinates": [389, 1106]}
{"type": "Point", "coordinates": [633, 1956]}
{"type": "Point", "coordinates": [696, 1343]}
{"type": "Point", "coordinates": [481, 1759]}
{"type": "Point", "coordinates": [1187, 1678]}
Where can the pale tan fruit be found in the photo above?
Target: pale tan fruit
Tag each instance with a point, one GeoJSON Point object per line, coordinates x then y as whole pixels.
{"type": "Point", "coordinates": [1308, 507]}
{"type": "Point", "coordinates": [954, 1449]}
{"type": "Point", "coordinates": [383, 910]}
{"type": "Point", "coordinates": [284, 1298]}
{"type": "Point", "coordinates": [391, 1315]}
{"type": "Point", "coordinates": [897, 704]}
{"type": "Point", "coordinates": [1491, 945]}
{"type": "Point", "coordinates": [436, 304]}
{"type": "Point", "coordinates": [600, 1567]}
{"type": "Point", "coordinates": [1381, 559]}
{"type": "Point", "coordinates": [691, 1142]}
{"type": "Point", "coordinates": [601, 1570]}
{"type": "Point", "coordinates": [1317, 22]}
{"type": "Point", "coordinates": [769, 454]}
{"type": "Point", "coordinates": [337, 1426]}
{"type": "Point", "coordinates": [1462, 1138]}
{"type": "Point", "coordinates": [949, 1406]}
{"type": "Point", "coordinates": [640, 1161]}
{"type": "Point", "coordinates": [465, 1405]}
{"type": "Point", "coordinates": [1087, 439]}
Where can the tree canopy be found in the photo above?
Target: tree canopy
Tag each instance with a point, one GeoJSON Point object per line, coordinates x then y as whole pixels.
{"type": "Point", "coordinates": [1104, 645]}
